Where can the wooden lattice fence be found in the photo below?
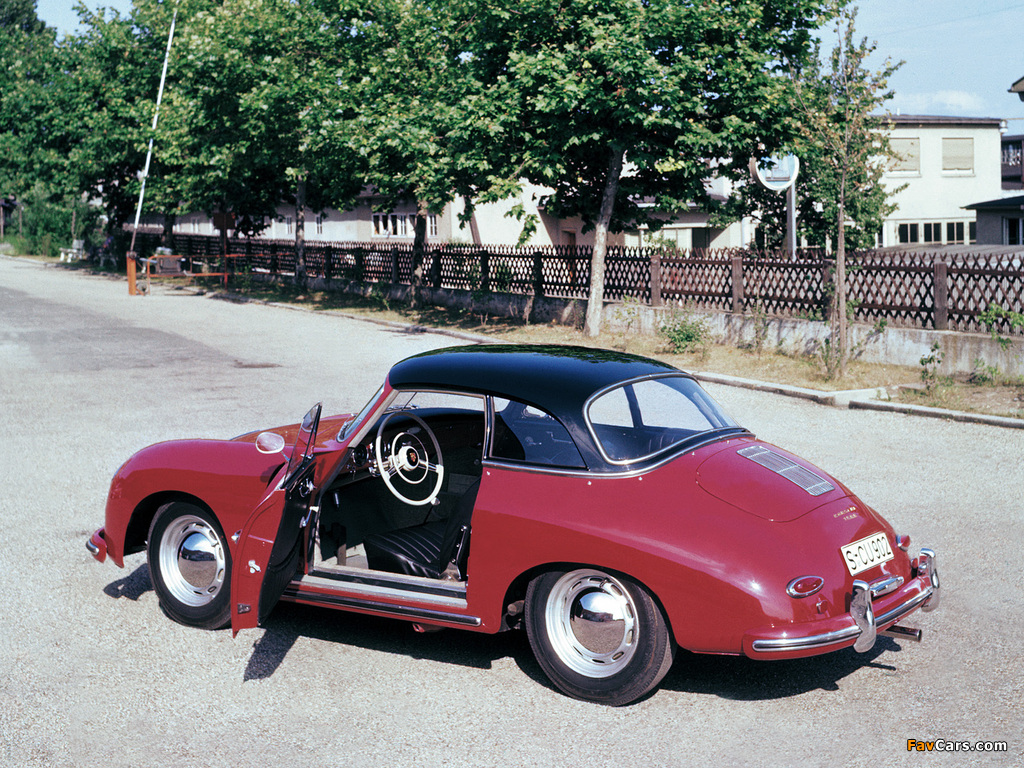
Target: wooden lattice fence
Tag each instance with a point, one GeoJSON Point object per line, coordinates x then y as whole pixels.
{"type": "Point", "coordinates": [933, 290]}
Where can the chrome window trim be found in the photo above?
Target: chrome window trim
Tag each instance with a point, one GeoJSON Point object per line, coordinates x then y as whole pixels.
{"type": "Point", "coordinates": [651, 377]}
{"type": "Point", "coordinates": [590, 474]}
{"type": "Point", "coordinates": [489, 439]}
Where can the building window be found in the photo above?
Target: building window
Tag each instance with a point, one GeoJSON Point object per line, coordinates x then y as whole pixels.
{"type": "Point", "coordinates": [907, 155]}
{"type": "Point", "coordinates": [319, 225]}
{"type": "Point", "coordinates": [1013, 231]}
{"type": "Point", "coordinates": [972, 229]}
{"type": "Point", "coordinates": [401, 225]}
{"type": "Point", "coordinates": [954, 231]}
{"type": "Point", "coordinates": [908, 233]}
{"type": "Point", "coordinates": [958, 155]}
{"type": "Point", "coordinates": [288, 225]}
{"type": "Point", "coordinates": [932, 232]}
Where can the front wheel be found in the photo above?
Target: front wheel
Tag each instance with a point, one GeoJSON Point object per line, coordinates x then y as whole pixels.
{"type": "Point", "coordinates": [598, 637]}
{"type": "Point", "coordinates": [190, 565]}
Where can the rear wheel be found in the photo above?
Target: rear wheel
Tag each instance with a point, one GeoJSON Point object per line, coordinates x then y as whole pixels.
{"type": "Point", "coordinates": [598, 637]}
{"type": "Point", "coordinates": [190, 565]}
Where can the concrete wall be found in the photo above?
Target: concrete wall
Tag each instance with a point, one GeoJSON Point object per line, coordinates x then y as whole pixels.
{"type": "Point", "coordinates": [897, 346]}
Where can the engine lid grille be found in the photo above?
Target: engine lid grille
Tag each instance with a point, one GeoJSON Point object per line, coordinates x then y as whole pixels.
{"type": "Point", "coordinates": [814, 484]}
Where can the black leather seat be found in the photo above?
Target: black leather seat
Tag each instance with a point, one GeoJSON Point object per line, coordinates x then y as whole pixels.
{"type": "Point", "coordinates": [426, 550]}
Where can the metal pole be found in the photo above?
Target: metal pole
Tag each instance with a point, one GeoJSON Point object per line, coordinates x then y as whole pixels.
{"type": "Point", "coordinates": [149, 157]}
{"type": "Point", "coordinates": [791, 220]}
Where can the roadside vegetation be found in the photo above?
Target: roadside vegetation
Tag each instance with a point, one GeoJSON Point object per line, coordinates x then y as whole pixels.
{"type": "Point", "coordinates": [685, 342]}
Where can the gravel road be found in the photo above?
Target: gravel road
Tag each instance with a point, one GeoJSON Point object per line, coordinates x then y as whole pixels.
{"type": "Point", "coordinates": [92, 673]}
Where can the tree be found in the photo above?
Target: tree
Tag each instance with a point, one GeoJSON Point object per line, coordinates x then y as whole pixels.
{"type": "Point", "coordinates": [424, 128]}
{"type": "Point", "coordinates": [851, 149]}
{"type": "Point", "coordinates": [21, 15]}
{"type": "Point", "coordinates": [245, 120]}
{"type": "Point", "coordinates": [626, 108]}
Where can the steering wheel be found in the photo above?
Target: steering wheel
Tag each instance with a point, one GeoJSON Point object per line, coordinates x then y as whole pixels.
{"type": "Point", "coordinates": [407, 456]}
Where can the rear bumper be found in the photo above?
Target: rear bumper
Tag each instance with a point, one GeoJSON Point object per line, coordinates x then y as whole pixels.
{"type": "Point", "coordinates": [859, 627]}
{"type": "Point", "coordinates": [97, 545]}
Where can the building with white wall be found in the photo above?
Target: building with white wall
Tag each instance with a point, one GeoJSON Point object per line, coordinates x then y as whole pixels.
{"type": "Point", "coordinates": [946, 164]}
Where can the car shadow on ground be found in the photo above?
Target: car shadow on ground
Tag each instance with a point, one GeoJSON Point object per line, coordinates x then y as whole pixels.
{"type": "Point", "coordinates": [133, 586]}
{"type": "Point", "coordinates": [289, 622]}
{"type": "Point", "coordinates": [728, 677]}
{"type": "Point", "coordinates": [742, 679]}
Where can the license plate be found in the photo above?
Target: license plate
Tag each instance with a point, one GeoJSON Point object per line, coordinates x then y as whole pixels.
{"type": "Point", "coordinates": [866, 553]}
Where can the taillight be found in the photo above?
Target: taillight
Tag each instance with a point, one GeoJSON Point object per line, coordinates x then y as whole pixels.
{"type": "Point", "coordinates": [903, 542]}
{"type": "Point", "coordinates": [804, 586]}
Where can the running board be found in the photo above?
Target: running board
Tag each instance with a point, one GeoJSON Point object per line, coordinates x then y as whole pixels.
{"type": "Point", "coordinates": [295, 592]}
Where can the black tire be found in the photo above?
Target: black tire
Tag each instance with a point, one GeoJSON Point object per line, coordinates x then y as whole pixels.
{"type": "Point", "coordinates": [598, 637]}
{"type": "Point", "coordinates": [190, 565]}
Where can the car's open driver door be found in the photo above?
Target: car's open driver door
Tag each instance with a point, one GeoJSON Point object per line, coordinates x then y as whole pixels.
{"type": "Point", "coordinates": [270, 546]}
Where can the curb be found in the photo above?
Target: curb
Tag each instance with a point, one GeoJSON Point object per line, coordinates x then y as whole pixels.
{"type": "Point", "coordinates": [860, 399]}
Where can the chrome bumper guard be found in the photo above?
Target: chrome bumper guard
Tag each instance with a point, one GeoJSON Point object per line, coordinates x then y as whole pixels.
{"type": "Point", "coordinates": [865, 621]}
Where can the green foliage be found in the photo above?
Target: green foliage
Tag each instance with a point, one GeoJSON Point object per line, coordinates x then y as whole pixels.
{"type": "Point", "coordinates": [983, 373]}
{"type": "Point", "coordinates": [842, 143]}
{"type": "Point", "coordinates": [685, 332]}
{"type": "Point", "coordinates": [993, 315]}
{"type": "Point", "coordinates": [930, 365]}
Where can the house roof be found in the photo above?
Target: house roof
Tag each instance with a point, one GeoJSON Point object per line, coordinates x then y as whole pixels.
{"type": "Point", "coordinates": [1018, 88]}
{"type": "Point", "coordinates": [922, 120]}
{"type": "Point", "coordinates": [1015, 203]}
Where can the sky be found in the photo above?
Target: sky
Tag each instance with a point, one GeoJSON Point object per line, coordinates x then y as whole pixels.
{"type": "Point", "coordinates": [960, 57]}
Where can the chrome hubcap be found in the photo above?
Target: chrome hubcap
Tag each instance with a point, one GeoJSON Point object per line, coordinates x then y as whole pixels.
{"type": "Point", "coordinates": [192, 561]}
{"type": "Point", "coordinates": [591, 623]}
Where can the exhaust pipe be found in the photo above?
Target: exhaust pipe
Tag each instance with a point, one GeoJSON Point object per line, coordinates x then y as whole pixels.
{"type": "Point", "coordinates": [907, 633]}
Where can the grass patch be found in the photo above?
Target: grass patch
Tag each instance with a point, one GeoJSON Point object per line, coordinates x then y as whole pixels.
{"type": "Point", "coordinates": [984, 392]}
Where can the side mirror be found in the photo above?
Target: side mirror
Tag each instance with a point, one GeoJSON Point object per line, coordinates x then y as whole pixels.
{"type": "Point", "coordinates": [270, 442]}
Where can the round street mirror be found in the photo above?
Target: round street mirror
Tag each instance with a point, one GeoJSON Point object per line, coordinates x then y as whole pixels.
{"type": "Point", "coordinates": [775, 173]}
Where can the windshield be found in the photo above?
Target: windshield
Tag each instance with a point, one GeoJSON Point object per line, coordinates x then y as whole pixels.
{"type": "Point", "coordinates": [642, 418]}
{"type": "Point", "coordinates": [348, 426]}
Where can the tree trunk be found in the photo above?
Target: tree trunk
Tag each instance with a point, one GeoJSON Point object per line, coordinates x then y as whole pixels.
{"type": "Point", "coordinates": [595, 303]}
{"type": "Point", "coordinates": [839, 323]}
{"type": "Point", "coordinates": [300, 231]}
{"type": "Point", "coordinates": [419, 246]}
{"type": "Point", "coordinates": [167, 241]}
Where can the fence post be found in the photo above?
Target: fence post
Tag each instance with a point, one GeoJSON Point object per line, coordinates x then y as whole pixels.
{"type": "Point", "coordinates": [485, 271]}
{"type": "Point", "coordinates": [394, 264]}
{"type": "Point", "coordinates": [360, 259]}
{"type": "Point", "coordinates": [435, 267]}
{"type": "Point", "coordinates": [941, 297]}
{"type": "Point", "coordinates": [656, 300]}
{"type": "Point", "coordinates": [538, 274]}
{"type": "Point", "coordinates": [737, 283]}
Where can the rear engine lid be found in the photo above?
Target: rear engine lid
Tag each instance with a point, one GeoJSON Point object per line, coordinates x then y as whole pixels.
{"type": "Point", "coordinates": [766, 481]}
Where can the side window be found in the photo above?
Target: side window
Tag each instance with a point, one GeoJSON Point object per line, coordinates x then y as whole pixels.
{"type": "Point", "coordinates": [531, 435]}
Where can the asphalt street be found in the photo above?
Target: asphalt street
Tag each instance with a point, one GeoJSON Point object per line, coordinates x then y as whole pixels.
{"type": "Point", "coordinates": [93, 674]}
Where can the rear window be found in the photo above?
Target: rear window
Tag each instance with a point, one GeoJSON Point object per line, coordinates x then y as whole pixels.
{"type": "Point", "coordinates": [645, 417]}
{"type": "Point", "coordinates": [525, 433]}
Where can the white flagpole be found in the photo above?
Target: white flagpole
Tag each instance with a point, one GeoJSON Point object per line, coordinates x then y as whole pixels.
{"type": "Point", "coordinates": [149, 153]}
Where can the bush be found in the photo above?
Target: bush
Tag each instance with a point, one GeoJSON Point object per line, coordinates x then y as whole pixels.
{"type": "Point", "coordinates": [686, 333]}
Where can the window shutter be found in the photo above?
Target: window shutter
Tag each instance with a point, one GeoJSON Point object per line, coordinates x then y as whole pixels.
{"type": "Point", "coordinates": [907, 155]}
{"type": "Point", "coordinates": [958, 154]}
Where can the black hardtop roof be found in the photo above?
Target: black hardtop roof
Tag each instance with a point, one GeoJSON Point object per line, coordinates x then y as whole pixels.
{"type": "Point", "coordinates": [559, 379]}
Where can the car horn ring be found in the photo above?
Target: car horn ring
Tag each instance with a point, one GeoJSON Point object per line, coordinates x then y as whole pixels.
{"type": "Point", "coordinates": [407, 452]}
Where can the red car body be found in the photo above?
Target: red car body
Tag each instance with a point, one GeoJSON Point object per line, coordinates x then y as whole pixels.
{"type": "Point", "coordinates": [713, 541]}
